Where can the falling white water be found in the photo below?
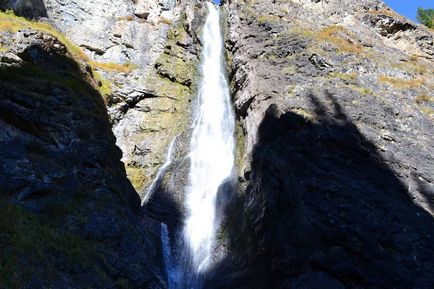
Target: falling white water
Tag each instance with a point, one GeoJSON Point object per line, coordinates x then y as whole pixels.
{"type": "Point", "coordinates": [212, 146]}
{"type": "Point", "coordinates": [172, 273]}
{"type": "Point", "coordinates": [161, 172]}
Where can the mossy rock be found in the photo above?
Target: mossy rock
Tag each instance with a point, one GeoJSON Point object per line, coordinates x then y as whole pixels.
{"type": "Point", "coordinates": [176, 69]}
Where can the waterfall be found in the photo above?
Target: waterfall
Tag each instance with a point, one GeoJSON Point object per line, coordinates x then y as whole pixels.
{"type": "Point", "coordinates": [161, 172]}
{"type": "Point", "coordinates": [212, 155]}
{"type": "Point", "coordinates": [212, 149]}
{"type": "Point", "coordinates": [172, 273]}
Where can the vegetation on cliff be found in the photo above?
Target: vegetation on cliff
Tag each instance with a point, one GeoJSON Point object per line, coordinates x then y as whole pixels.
{"type": "Point", "coordinates": [426, 17]}
{"type": "Point", "coordinates": [69, 216]}
{"type": "Point", "coordinates": [12, 23]}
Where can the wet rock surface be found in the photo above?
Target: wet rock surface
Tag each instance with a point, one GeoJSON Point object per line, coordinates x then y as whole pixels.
{"type": "Point", "coordinates": [335, 114]}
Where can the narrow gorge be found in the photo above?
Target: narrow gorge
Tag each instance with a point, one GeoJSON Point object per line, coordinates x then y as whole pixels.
{"type": "Point", "coordinates": [179, 144]}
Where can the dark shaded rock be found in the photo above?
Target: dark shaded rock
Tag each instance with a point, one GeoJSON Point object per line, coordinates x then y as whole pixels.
{"type": "Point", "coordinates": [319, 63]}
{"type": "Point", "coordinates": [27, 8]}
{"type": "Point", "coordinates": [316, 280]}
{"type": "Point", "coordinates": [334, 164]}
{"type": "Point", "coordinates": [69, 217]}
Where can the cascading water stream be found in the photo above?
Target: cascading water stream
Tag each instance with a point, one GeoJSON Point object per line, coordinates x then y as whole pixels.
{"type": "Point", "coordinates": [161, 172]}
{"type": "Point", "coordinates": [212, 154]}
{"type": "Point", "coordinates": [212, 151]}
{"type": "Point", "coordinates": [172, 273]}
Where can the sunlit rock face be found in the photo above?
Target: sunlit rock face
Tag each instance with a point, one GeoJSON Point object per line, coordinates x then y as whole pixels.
{"type": "Point", "coordinates": [150, 50]}
{"type": "Point", "coordinates": [335, 111]}
{"type": "Point", "coordinates": [334, 150]}
{"type": "Point", "coordinates": [149, 105]}
{"type": "Point", "coordinates": [62, 180]}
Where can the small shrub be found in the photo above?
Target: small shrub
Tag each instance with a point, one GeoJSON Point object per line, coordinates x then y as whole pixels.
{"type": "Point", "coordinates": [413, 58]}
{"type": "Point", "coordinates": [426, 17]}
{"type": "Point", "coordinates": [126, 18]}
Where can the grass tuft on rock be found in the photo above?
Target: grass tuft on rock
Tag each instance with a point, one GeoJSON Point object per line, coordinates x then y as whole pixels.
{"type": "Point", "coordinates": [400, 82]}
{"type": "Point", "coordinates": [341, 37]}
{"type": "Point", "coordinates": [13, 23]}
{"type": "Point", "coordinates": [30, 238]}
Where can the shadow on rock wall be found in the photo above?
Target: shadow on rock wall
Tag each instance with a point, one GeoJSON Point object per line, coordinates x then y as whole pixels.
{"type": "Point", "coordinates": [27, 8]}
{"type": "Point", "coordinates": [323, 210]}
{"type": "Point", "coordinates": [69, 217]}
{"type": "Point", "coordinates": [163, 207]}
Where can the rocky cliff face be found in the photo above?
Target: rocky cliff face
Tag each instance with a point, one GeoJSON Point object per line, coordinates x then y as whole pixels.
{"type": "Point", "coordinates": [334, 106]}
{"type": "Point", "coordinates": [335, 111]}
{"type": "Point", "coordinates": [147, 53]}
{"type": "Point", "coordinates": [70, 217]}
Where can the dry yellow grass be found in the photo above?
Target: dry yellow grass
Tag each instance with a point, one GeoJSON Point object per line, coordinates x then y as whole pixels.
{"type": "Point", "coordinates": [113, 67]}
{"type": "Point", "coordinates": [126, 18]}
{"type": "Point", "coordinates": [424, 98]}
{"type": "Point", "coordinates": [13, 23]}
{"type": "Point", "coordinates": [268, 19]}
{"type": "Point", "coordinates": [10, 22]}
{"type": "Point", "coordinates": [428, 111]}
{"type": "Point", "coordinates": [165, 20]}
{"type": "Point", "coordinates": [362, 90]}
{"type": "Point", "coordinates": [387, 12]}
{"type": "Point", "coordinates": [333, 34]}
{"type": "Point", "coordinates": [401, 83]}
{"type": "Point", "coordinates": [105, 87]}
{"type": "Point", "coordinates": [345, 76]}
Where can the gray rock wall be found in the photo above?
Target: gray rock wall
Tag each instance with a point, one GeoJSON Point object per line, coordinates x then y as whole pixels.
{"type": "Point", "coordinates": [149, 104]}
{"type": "Point", "coordinates": [335, 110]}
{"type": "Point", "coordinates": [78, 218]}
{"type": "Point", "coordinates": [69, 217]}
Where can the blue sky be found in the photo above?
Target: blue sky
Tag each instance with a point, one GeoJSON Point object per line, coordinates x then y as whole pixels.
{"type": "Point", "coordinates": [409, 7]}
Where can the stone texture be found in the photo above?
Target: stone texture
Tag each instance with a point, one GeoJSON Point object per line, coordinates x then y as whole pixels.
{"type": "Point", "coordinates": [116, 246]}
{"type": "Point", "coordinates": [142, 111]}
{"type": "Point", "coordinates": [149, 105]}
{"type": "Point", "coordinates": [159, 110]}
{"type": "Point", "coordinates": [69, 217]}
{"type": "Point", "coordinates": [335, 112]}
{"type": "Point", "coordinates": [335, 156]}
{"type": "Point", "coordinates": [27, 8]}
